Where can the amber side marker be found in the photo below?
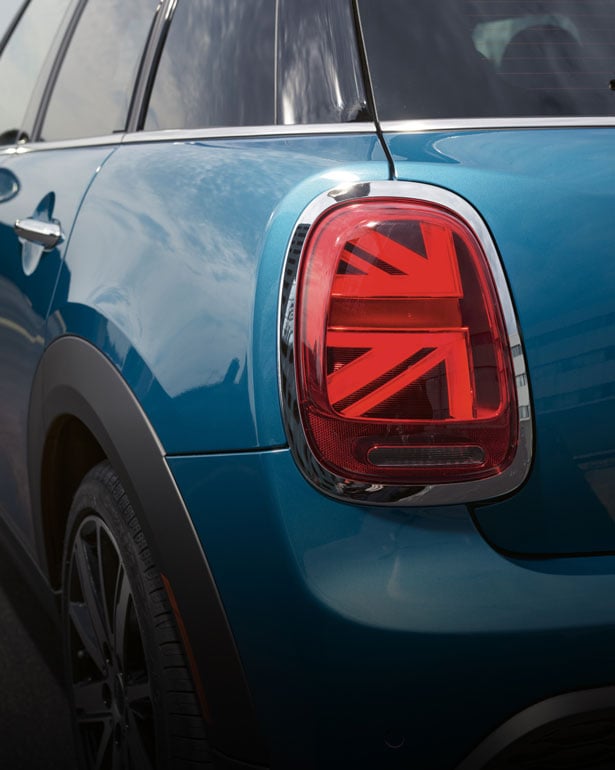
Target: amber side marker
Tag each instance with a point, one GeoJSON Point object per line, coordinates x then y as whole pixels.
{"type": "Point", "coordinates": [196, 677]}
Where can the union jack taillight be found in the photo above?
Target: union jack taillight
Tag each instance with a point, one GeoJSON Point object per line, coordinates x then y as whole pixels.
{"type": "Point", "coordinates": [403, 368]}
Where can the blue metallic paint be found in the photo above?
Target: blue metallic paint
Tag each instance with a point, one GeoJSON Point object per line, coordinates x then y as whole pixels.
{"type": "Point", "coordinates": [370, 637]}
{"type": "Point", "coordinates": [360, 629]}
{"type": "Point", "coordinates": [174, 269]}
{"type": "Point", "coordinates": [548, 198]}
{"type": "Point", "coordinates": [389, 625]}
{"type": "Point", "coordinates": [49, 183]}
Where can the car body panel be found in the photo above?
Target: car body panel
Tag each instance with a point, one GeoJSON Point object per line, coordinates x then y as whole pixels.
{"type": "Point", "coordinates": [174, 270]}
{"type": "Point", "coordinates": [76, 382]}
{"type": "Point", "coordinates": [547, 197]}
{"type": "Point", "coordinates": [318, 632]}
{"type": "Point", "coordinates": [398, 626]}
{"type": "Point", "coordinates": [47, 185]}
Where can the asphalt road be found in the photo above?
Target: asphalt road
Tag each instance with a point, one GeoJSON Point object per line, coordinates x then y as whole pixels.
{"type": "Point", "coordinates": [34, 724]}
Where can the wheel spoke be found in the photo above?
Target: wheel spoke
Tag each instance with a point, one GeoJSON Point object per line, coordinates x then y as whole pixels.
{"type": "Point", "coordinates": [123, 598]}
{"type": "Point", "coordinates": [91, 592]}
{"type": "Point", "coordinates": [105, 745]}
{"type": "Point", "coordinates": [120, 756]}
{"type": "Point", "coordinates": [138, 696]}
{"type": "Point", "coordinates": [109, 572]}
{"type": "Point", "coordinates": [81, 619]}
{"type": "Point", "coordinates": [137, 749]}
{"type": "Point", "coordinates": [112, 697]}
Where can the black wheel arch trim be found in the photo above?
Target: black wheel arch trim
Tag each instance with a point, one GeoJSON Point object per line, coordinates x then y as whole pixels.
{"type": "Point", "coordinates": [535, 716]}
{"type": "Point", "coordinates": [74, 379]}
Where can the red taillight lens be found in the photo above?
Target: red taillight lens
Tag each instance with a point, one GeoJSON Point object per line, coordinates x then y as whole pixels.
{"type": "Point", "coordinates": [403, 367]}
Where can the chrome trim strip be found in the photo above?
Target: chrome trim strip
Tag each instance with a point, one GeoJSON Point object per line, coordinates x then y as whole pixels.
{"type": "Point", "coordinates": [64, 144]}
{"type": "Point", "coordinates": [255, 132]}
{"type": "Point", "coordinates": [535, 716]}
{"type": "Point", "coordinates": [194, 135]}
{"type": "Point", "coordinates": [319, 129]}
{"type": "Point", "coordinates": [388, 494]}
{"type": "Point", "coordinates": [475, 124]}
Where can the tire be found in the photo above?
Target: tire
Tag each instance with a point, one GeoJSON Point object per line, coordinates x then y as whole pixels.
{"type": "Point", "coordinates": [133, 701]}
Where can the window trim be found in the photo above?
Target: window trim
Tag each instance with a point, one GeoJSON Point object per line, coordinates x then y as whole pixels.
{"type": "Point", "coordinates": [354, 38]}
{"type": "Point", "coordinates": [135, 134]}
{"type": "Point", "coordinates": [11, 28]}
{"type": "Point", "coordinates": [40, 86]}
{"type": "Point", "coordinates": [154, 55]}
{"type": "Point", "coordinates": [192, 135]}
{"type": "Point", "coordinates": [149, 65]}
{"type": "Point", "coordinates": [426, 125]}
{"type": "Point", "coordinates": [65, 37]}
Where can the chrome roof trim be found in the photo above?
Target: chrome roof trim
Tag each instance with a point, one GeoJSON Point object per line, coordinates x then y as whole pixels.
{"type": "Point", "coordinates": [474, 124]}
{"type": "Point", "coordinates": [251, 132]}
{"type": "Point", "coordinates": [390, 494]}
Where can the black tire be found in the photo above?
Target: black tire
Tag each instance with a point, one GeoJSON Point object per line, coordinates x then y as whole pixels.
{"type": "Point", "coordinates": [133, 699]}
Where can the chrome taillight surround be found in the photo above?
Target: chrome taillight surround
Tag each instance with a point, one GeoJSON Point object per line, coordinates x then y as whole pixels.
{"type": "Point", "coordinates": [440, 493]}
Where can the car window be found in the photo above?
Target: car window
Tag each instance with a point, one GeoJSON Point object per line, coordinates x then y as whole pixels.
{"type": "Point", "coordinates": [217, 66]}
{"type": "Point", "coordinates": [8, 10]}
{"type": "Point", "coordinates": [478, 58]}
{"type": "Point", "coordinates": [22, 59]}
{"type": "Point", "coordinates": [93, 90]}
{"type": "Point", "coordinates": [319, 73]}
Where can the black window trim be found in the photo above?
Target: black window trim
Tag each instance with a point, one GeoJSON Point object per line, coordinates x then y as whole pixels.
{"type": "Point", "coordinates": [149, 65]}
{"type": "Point", "coordinates": [142, 70]}
{"type": "Point", "coordinates": [26, 132]}
{"type": "Point", "coordinates": [15, 21]}
{"type": "Point", "coordinates": [66, 35]}
{"type": "Point", "coordinates": [153, 55]}
{"type": "Point", "coordinates": [144, 92]}
{"type": "Point", "coordinates": [134, 134]}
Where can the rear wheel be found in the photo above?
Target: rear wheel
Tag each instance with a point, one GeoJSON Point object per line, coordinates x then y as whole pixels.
{"type": "Point", "coordinates": [134, 704]}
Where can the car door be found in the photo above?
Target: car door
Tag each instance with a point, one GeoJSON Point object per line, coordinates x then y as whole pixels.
{"type": "Point", "coordinates": [89, 67]}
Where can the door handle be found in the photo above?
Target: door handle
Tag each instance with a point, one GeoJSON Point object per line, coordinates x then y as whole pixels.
{"type": "Point", "coordinates": [45, 234]}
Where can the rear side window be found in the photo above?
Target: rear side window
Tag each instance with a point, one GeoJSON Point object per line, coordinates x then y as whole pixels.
{"type": "Point", "coordinates": [92, 93]}
{"type": "Point", "coordinates": [22, 59]}
{"type": "Point", "coordinates": [217, 66]}
{"type": "Point", "coordinates": [319, 73]}
{"type": "Point", "coordinates": [490, 58]}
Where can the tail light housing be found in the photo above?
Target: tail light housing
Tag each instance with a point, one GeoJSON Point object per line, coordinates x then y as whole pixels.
{"type": "Point", "coordinates": [404, 374]}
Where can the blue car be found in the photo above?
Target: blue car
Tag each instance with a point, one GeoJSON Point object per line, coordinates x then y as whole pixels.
{"type": "Point", "coordinates": [307, 376]}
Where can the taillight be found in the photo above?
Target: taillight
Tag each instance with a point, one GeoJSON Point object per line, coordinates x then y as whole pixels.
{"type": "Point", "coordinates": [403, 369]}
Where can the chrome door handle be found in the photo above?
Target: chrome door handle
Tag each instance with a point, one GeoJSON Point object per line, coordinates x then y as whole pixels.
{"type": "Point", "coordinates": [45, 234]}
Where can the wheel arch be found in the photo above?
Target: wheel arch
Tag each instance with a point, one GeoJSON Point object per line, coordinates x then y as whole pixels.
{"type": "Point", "coordinates": [83, 411]}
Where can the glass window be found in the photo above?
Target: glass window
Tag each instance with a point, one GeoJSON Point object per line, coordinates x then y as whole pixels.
{"type": "Point", "coordinates": [22, 60]}
{"type": "Point", "coordinates": [8, 11]}
{"type": "Point", "coordinates": [481, 58]}
{"type": "Point", "coordinates": [92, 94]}
{"type": "Point", "coordinates": [217, 66]}
{"type": "Point", "coordinates": [319, 73]}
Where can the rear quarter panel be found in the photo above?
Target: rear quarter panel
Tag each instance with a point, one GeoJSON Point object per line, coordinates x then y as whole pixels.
{"type": "Point", "coordinates": [547, 197]}
{"type": "Point", "coordinates": [173, 270]}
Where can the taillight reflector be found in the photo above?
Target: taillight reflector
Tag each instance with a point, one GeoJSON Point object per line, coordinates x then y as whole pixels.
{"type": "Point", "coordinates": [403, 367]}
